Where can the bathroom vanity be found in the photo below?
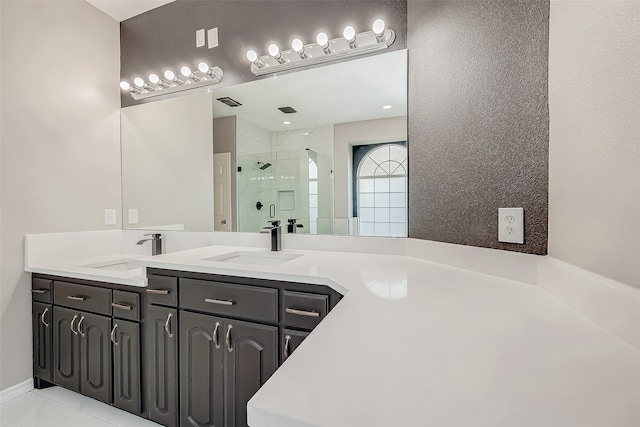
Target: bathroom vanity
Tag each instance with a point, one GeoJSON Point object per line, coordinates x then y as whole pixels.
{"type": "Point", "coordinates": [210, 341]}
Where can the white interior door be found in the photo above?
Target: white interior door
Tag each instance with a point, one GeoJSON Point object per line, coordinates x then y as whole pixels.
{"type": "Point", "coordinates": [222, 192]}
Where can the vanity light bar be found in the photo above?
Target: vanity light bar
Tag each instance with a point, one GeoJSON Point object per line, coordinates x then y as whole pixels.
{"type": "Point", "coordinates": [171, 83]}
{"type": "Point", "coordinates": [324, 50]}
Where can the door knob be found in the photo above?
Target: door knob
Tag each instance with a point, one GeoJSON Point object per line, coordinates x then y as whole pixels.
{"type": "Point", "coordinates": [224, 221]}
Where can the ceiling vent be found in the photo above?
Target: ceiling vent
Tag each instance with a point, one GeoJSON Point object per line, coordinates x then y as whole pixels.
{"type": "Point", "coordinates": [287, 110]}
{"type": "Point", "coordinates": [229, 101]}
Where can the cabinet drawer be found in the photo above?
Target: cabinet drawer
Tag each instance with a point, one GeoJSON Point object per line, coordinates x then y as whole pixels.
{"type": "Point", "coordinates": [126, 305]}
{"type": "Point", "coordinates": [162, 290]}
{"type": "Point", "coordinates": [82, 297]}
{"type": "Point", "coordinates": [246, 302]}
{"type": "Point", "coordinates": [41, 290]}
{"type": "Point", "coordinates": [303, 310]}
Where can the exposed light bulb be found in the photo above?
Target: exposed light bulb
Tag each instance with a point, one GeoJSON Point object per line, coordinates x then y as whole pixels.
{"type": "Point", "coordinates": [153, 78]}
{"type": "Point", "coordinates": [297, 45]}
{"type": "Point", "coordinates": [252, 56]}
{"type": "Point", "coordinates": [273, 50]}
{"type": "Point", "coordinates": [378, 27]}
{"type": "Point", "coordinates": [138, 82]}
{"type": "Point", "coordinates": [349, 33]}
{"type": "Point", "coordinates": [322, 39]}
{"type": "Point", "coordinates": [185, 71]}
{"type": "Point", "coordinates": [203, 67]}
{"type": "Point", "coordinates": [169, 75]}
{"type": "Point", "coordinates": [125, 85]}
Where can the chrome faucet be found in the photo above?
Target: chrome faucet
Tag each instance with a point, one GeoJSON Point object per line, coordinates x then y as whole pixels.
{"type": "Point", "coordinates": [276, 234]}
{"type": "Point", "coordinates": [156, 243]}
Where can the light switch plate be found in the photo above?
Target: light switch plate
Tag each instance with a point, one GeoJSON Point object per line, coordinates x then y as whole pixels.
{"type": "Point", "coordinates": [511, 225]}
{"type": "Point", "coordinates": [133, 216]}
{"type": "Point", "coordinates": [110, 217]}
{"type": "Point", "coordinates": [200, 38]}
{"type": "Point", "coordinates": [212, 38]}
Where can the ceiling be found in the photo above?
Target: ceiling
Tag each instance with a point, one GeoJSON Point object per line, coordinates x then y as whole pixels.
{"type": "Point", "coordinates": [125, 9]}
{"type": "Point", "coordinates": [349, 91]}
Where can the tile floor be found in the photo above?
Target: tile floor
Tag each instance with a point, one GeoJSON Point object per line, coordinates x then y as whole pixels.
{"type": "Point", "coordinates": [57, 407]}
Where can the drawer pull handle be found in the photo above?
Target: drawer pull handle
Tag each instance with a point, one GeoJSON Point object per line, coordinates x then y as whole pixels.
{"type": "Point", "coordinates": [216, 338]}
{"type": "Point", "coordinates": [79, 326]}
{"type": "Point", "coordinates": [121, 306]}
{"type": "Point", "coordinates": [44, 313]}
{"type": "Point", "coordinates": [158, 291]}
{"type": "Point", "coordinates": [287, 338]}
{"type": "Point", "coordinates": [75, 331]}
{"type": "Point", "coordinates": [227, 338]}
{"type": "Point", "coordinates": [39, 291]}
{"type": "Point", "coordinates": [167, 326]}
{"type": "Point", "coordinates": [219, 301]}
{"type": "Point", "coordinates": [74, 298]}
{"type": "Point", "coordinates": [302, 312]}
{"type": "Point", "coordinates": [113, 334]}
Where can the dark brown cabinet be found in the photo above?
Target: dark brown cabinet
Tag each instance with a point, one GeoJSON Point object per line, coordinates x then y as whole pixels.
{"type": "Point", "coordinates": [125, 337]}
{"type": "Point", "coordinates": [291, 339]}
{"type": "Point", "coordinates": [82, 341]}
{"type": "Point", "coordinates": [162, 365]}
{"type": "Point", "coordinates": [42, 324]}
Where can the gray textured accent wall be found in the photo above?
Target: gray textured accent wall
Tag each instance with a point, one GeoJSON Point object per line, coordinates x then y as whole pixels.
{"type": "Point", "coordinates": [165, 37]}
{"type": "Point", "coordinates": [478, 119]}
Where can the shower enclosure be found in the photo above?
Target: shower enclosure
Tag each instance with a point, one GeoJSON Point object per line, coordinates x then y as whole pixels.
{"type": "Point", "coordinates": [285, 184]}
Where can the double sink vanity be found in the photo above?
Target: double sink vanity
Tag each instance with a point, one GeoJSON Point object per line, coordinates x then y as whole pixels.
{"type": "Point", "coordinates": [222, 331]}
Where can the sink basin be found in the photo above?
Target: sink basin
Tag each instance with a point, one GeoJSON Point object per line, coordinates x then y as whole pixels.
{"type": "Point", "coordinates": [117, 265]}
{"type": "Point", "coordinates": [256, 258]}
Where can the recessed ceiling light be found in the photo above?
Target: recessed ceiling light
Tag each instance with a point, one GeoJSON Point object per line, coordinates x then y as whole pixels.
{"type": "Point", "coordinates": [305, 133]}
{"type": "Point", "coordinates": [286, 123]}
{"type": "Point", "coordinates": [386, 107]}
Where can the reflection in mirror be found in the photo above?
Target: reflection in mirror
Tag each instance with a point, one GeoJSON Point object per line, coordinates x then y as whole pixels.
{"type": "Point", "coordinates": [286, 147]}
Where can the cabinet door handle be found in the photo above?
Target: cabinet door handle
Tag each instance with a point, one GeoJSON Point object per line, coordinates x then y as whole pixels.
{"type": "Point", "coordinates": [302, 312]}
{"type": "Point", "coordinates": [227, 338]}
{"type": "Point", "coordinates": [167, 326]}
{"type": "Point", "coordinates": [75, 332]}
{"type": "Point", "coordinates": [44, 313]}
{"type": "Point", "coordinates": [39, 291]}
{"type": "Point", "coordinates": [219, 301]}
{"type": "Point", "coordinates": [113, 334]}
{"type": "Point", "coordinates": [74, 298]}
{"type": "Point", "coordinates": [287, 338]}
{"type": "Point", "coordinates": [79, 326]}
{"type": "Point", "coordinates": [216, 338]}
{"type": "Point", "coordinates": [158, 291]}
{"type": "Point", "coordinates": [121, 306]}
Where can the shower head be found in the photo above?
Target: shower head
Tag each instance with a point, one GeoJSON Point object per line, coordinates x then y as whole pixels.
{"type": "Point", "coordinates": [264, 165]}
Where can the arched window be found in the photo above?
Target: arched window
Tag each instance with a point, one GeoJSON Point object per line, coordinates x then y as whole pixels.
{"type": "Point", "coordinates": [382, 192]}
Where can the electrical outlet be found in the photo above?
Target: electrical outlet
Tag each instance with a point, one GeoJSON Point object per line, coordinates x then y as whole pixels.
{"type": "Point", "coordinates": [110, 217]}
{"type": "Point", "coordinates": [511, 225]}
{"type": "Point", "coordinates": [200, 38]}
{"type": "Point", "coordinates": [133, 216]}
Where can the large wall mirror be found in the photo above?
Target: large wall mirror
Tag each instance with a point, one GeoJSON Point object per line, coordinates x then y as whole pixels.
{"type": "Point", "coordinates": [325, 147]}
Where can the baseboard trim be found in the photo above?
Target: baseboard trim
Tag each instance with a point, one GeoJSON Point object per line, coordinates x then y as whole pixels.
{"type": "Point", "coordinates": [15, 391]}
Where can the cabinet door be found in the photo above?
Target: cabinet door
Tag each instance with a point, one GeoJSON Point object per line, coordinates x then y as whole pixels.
{"type": "Point", "coordinates": [162, 365]}
{"type": "Point", "coordinates": [251, 357]}
{"type": "Point", "coordinates": [95, 350]}
{"type": "Point", "coordinates": [125, 337]}
{"type": "Point", "coordinates": [42, 324]}
{"type": "Point", "coordinates": [290, 340]}
{"type": "Point", "coordinates": [201, 370]}
{"type": "Point", "coordinates": [66, 348]}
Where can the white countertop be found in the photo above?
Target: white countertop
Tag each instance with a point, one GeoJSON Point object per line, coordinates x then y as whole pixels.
{"type": "Point", "coordinates": [415, 343]}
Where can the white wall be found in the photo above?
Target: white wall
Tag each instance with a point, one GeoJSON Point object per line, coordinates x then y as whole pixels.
{"type": "Point", "coordinates": [60, 148]}
{"type": "Point", "coordinates": [594, 155]}
{"type": "Point", "coordinates": [167, 162]}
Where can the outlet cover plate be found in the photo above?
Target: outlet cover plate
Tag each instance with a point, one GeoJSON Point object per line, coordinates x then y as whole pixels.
{"type": "Point", "coordinates": [511, 225]}
{"type": "Point", "coordinates": [110, 217]}
{"type": "Point", "coordinates": [133, 216]}
{"type": "Point", "coordinates": [200, 38]}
